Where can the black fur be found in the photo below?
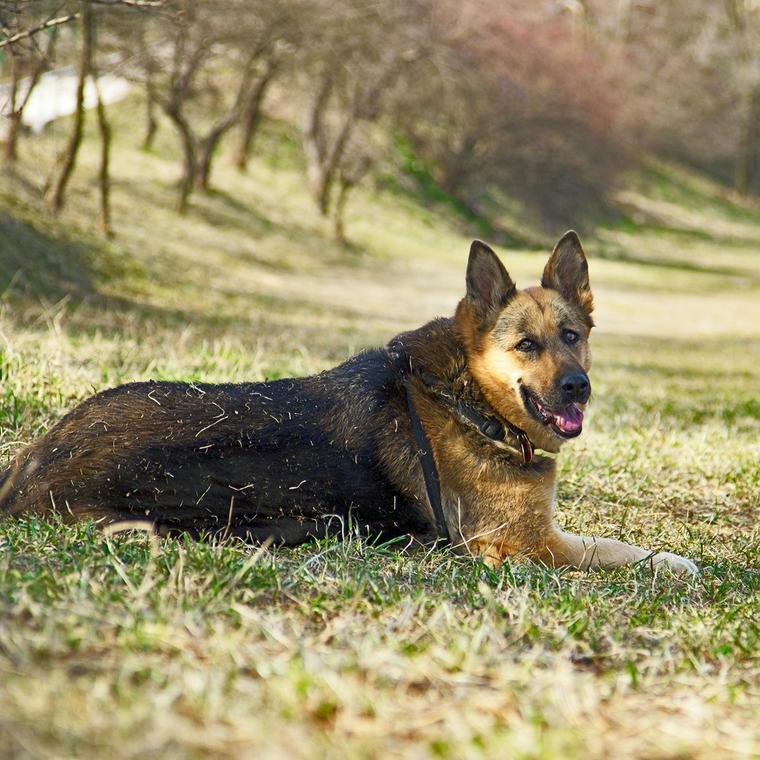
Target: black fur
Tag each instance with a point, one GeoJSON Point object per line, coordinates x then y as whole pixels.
{"type": "Point", "coordinates": [285, 459]}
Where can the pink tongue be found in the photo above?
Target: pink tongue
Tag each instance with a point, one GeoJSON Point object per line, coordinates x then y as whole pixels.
{"type": "Point", "coordinates": [569, 419]}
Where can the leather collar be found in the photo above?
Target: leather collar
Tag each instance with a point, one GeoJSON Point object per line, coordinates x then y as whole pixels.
{"type": "Point", "coordinates": [481, 418]}
{"type": "Point", "coordinates": [484, 420]}
{"type": "Point", "coordinates": [478, 416]}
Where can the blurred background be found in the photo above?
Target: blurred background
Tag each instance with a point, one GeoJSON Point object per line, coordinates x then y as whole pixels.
{"type": "Point", "coordinates": [300, 178]}
{"type": "Point", "coordinates": [536, 107]}
{"type": "Point", "coordinates": [229, 190]}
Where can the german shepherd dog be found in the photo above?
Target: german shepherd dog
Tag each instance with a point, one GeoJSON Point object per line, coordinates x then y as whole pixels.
{"type": "Point", "coordinates": [445, 435]}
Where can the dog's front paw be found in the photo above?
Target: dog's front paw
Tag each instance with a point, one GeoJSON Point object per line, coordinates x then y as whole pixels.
{"type": "Point", "coordinates": [677, 565]}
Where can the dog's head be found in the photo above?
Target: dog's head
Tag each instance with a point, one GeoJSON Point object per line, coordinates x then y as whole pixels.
{"type": "Point", "coordinates": [528, 349]}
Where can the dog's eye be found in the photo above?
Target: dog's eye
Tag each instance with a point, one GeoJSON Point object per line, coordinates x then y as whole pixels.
{"type": "Point", "coordinates": [570, 337]}
{"type": "Point", "coordinates": [526, 344]}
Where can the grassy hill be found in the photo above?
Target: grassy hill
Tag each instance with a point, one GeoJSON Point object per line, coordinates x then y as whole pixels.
{"type": "Point", "coordinates": [125, 646]}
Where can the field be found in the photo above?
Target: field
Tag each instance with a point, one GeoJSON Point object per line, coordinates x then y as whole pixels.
{"type": "Point", "coordinates": [127, 646]}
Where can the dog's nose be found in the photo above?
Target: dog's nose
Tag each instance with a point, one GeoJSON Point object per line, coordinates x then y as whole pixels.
{"type": "Point", "coordinates": [575, 388]}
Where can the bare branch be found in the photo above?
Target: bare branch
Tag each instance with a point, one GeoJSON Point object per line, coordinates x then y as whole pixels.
{"type": "Point", "coordinates": [48, 24]}
{"type": "Point", "coordinates": [131, 3]}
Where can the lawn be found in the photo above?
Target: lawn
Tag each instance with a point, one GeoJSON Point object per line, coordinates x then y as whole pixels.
{"type": "Point", "coordinates": [126, 646]}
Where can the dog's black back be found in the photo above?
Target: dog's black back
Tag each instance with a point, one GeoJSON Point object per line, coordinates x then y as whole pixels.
{"type": "Point", "coordinates": [284, 459]}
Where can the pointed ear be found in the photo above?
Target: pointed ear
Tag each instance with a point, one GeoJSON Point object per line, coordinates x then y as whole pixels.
{"type": "Point", "coordinates": [489, 286]}
{"type": "Point", "coordinates": [567, 272]}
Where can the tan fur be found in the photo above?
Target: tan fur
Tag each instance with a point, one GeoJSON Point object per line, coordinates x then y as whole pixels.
{"type": "Point", "coordinates": [499, 371]}
{"type": "Point", "coordinates": [498, 510]}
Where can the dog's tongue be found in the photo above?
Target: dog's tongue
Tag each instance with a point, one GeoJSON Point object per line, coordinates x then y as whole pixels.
{"type": "Point", "coordinates": [569, 419]}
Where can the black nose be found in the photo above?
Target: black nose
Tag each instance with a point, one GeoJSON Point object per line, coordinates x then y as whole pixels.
{"type": "Point", "coordinates": [575, 388]}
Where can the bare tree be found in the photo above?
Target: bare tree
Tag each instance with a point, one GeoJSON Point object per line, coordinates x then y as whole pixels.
{"type": "Point", "coordinates": [196, 45]}
{"type": "Point", "coordinates": [358, 161]}
{"type": "Point", "coordinates": [691, 70]}
{"type": "Point", "coordinates": [22, 24]}
{"type": "Point", "coordinates": [104, 174]}
{"type": "Point", "coordinates": [364, 50]}
{"type": "Point", "coordinates": [252, 110]}
{"type": "Point", "coordinates": [151, 101]}
{"type": "Point", "coordinates": [744, 24]}
{"type": "Point", "coordinates": [27, 67]}
{"type": "Point", "coordinates": [58, 195]}
{"type": "Point", "coordinates": [10, 13]}
{"type": "Point", "coordinates": [514, 105]}
{"type": "Point", "coordinates": [87, 71]}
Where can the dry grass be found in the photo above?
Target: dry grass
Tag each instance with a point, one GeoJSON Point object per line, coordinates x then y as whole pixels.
{"type": "Point", "coordinates": [124, 646]}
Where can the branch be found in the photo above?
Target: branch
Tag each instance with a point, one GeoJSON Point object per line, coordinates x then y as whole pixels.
{"type": "Point", "coordinates": [131, 3]}
{"type": "Point", "coordinates": [42, 63]}
{"type": "Point", "coordinates": [49, 24]}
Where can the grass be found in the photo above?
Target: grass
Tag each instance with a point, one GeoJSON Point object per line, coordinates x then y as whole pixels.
{"type": "Point", "coordinates": [128, 646]}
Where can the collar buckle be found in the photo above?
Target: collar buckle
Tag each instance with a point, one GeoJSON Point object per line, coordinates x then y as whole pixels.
{"type": "Point", "coordinates": [526, 446]}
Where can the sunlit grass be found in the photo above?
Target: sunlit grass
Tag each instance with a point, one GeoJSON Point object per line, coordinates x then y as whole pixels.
{"type": "Point", "coordinates": [131, 646]}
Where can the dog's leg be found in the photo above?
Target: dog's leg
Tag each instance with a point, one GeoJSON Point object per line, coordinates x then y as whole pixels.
{"type": "Point", "coordinates": [585, 552]}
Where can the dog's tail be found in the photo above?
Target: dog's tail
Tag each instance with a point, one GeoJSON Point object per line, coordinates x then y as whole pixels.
{"type": "Point", "coordinates": [6, 477]}
{"type": "Point", "coordinates": [17, 472]}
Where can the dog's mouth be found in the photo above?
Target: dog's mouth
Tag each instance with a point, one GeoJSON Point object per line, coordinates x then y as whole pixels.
{"type": "Point", "coordinates": [566, 422]}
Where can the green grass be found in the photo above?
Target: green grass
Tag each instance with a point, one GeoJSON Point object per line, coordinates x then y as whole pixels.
{"type": "Point", "coordinates": [128, 646]}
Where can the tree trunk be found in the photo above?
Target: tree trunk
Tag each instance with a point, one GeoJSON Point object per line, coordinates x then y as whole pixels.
{"type": "Point", "coordinates": [17, 108]}
{"type": "Point", "coordinates": [208, 148]}
{"type": "Point", "coordinates": [323, 160]}
{"type": "Point", "coordinates": [14, 117]}
{"type": "Point", "coordinates": [314, 139]}
{"type": "Point", "coordinates": [748, 153]}
{"type": "Point", "coordinates": [151, 124]}
{"type": "Point", "coordinates": [332, 163]}
{"type": "Point", "coordinates": [189, 153]}
{"type": "Point", "coordinates": [211, 141]}
{"type": "Point", "coordinates": [203, 169]}
{"type": "Point", "coordinates": [252, 116]}
{"type": "Point", "coordinates": [11, 137]}
{"type": "Point", "coordinates": [339, 209]}
{"type": "Point", "coordinates": [348, 179]}
{"type": "Point", "coordinates": [104, 176]}
{"type": "Point", "coordinates": [190, 162]}
{"type": "Point", "coordinates": [75, 140]}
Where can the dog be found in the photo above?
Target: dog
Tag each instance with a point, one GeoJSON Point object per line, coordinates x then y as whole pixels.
{"type": "Point", "coordinates": [447, 435]}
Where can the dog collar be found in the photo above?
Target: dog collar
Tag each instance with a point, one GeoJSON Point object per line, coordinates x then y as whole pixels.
{"type": "Point", "coordinates": [490, 426]}
{"type": "Point", "coordinates": [488, 423]}
{"type": "Point", "coordinates": [429, 470]}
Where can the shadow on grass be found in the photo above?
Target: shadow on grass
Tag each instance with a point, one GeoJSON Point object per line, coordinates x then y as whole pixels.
{"type": "Point", "coordinates": [611, 252]}
{"type": "Point", "coordinates": [33, 262]}
{"type": "Point", "coordinates": [219, 208]}
{"type": "Point", "coordinates": [678, 186]}
{"type": "Point", "coordinates": [43, 262]}
{"type": "Point", "coordinates": [647, 222]}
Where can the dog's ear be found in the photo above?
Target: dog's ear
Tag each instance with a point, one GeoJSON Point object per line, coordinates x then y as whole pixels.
{"type": "Point", "coordinates": [489, 286]}
{"type": "Point", "coordinates": [567, 272]}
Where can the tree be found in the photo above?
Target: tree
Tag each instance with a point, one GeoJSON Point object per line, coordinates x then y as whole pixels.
{"type": "Point", "coordinates": [58, 194]}
{"type": "Point", "coordinates": [359, 158]}
{"type": "Point", "coordinates": [28, 57]}
{"type": "Point", "coordinates": [87, 17]}
{"type": "Point", "coordinates": [692, 74]}
{"type": "Point", "coordinates": [512, 104]}
{"type": "Point", "coordinates": [195, 46]}
{"type": "Point", "coordinates": [18, 23]}
{"type": "Point", "coordinates": [363, 51]}
{"type": "Point", "coordinates": [252, 109]}
{"type": "Point", "coordinates": [744, 25]}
